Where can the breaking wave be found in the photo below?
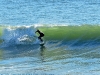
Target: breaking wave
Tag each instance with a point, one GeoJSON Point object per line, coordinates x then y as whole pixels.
{"type": "Point", "coordinates": [74, 35]}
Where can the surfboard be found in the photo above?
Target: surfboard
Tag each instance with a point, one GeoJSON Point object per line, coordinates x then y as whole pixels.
{"type": "Point", "coordinates": [42, 43]}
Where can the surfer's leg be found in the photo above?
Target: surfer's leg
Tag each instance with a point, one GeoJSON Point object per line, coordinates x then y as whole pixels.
{"type": "Point", "coordinates": [40, 38]}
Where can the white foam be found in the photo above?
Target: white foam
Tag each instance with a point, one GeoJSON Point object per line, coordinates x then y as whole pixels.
{"type": "Point", "coordinates": [19, 35]}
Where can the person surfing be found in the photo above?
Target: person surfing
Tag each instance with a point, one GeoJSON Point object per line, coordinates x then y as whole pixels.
{"type": "Point", "coordinates": [41, 34]}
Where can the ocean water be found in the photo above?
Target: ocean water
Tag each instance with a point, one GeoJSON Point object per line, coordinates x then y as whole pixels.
{"type": "Point", "coordinates": [72, 37]}
{"type": "Point", "coordinates": [70, 12]}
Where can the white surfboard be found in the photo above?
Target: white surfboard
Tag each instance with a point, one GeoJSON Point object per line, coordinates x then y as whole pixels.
{"type": "Point", "coordinates": [42, 43]}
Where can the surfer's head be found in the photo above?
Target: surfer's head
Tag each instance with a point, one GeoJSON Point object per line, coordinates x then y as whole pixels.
{"type": "Point", "coordinates": [38, 31]}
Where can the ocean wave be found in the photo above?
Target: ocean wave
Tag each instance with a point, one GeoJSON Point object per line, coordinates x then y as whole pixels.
{"type": "Point", "coordinates": [75, 33]}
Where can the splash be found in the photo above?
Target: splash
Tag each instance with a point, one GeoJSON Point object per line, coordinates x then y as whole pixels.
{"type": "Point", "coordinates": [20, 35]}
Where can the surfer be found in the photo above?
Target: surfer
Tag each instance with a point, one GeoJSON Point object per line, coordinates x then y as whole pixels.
{"type": "Point", "coordinates": [41, 35]}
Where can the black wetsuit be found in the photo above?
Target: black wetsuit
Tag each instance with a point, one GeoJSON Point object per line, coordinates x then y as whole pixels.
{"type": "Point", "coordinates": [41, 35]}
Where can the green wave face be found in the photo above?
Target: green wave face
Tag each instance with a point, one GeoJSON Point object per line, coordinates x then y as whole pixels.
{"type": "Point", "coordinates": [1, 33]}
{"type": "Point", "coordinates": [85, 32]}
